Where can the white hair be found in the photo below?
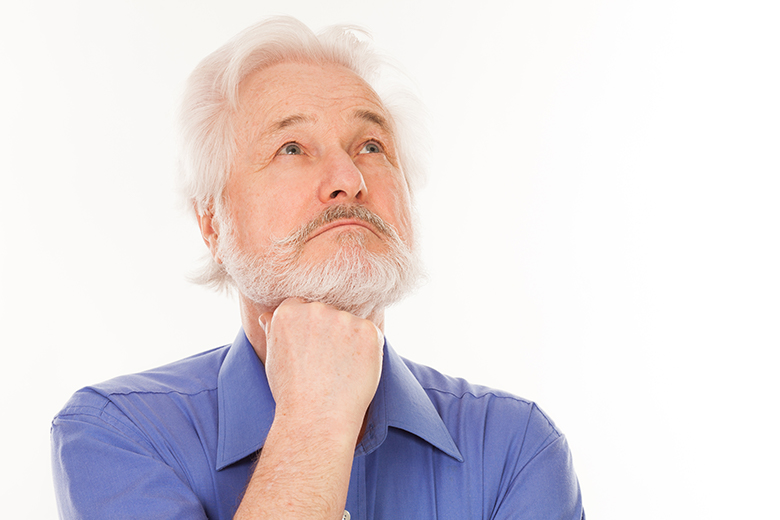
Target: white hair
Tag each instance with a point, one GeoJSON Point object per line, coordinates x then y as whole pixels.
{"type": "Point", "coordinates": [211, 98]}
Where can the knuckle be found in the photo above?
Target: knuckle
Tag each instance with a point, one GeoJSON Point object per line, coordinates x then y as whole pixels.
{"type": "Point", "coordinates": [367, 328]}
{"type": "Point", "coordinates": [282, 312]}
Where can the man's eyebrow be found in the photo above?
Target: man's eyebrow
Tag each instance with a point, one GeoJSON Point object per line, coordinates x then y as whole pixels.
{"type": "Point", "coordinates": [288, 121]}
{"type": "Point", "coordinates": [297, 119]}
{"type": "Point", "coordinates": [373, 117]}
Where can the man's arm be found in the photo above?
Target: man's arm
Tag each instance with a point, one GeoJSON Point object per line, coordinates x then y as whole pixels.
{"type": "Point", "coordinates": [104, 468]}
{"type": "Point", "coordinates": [540, 481]}
{"type": "Point", "coordinates": [323, 368]}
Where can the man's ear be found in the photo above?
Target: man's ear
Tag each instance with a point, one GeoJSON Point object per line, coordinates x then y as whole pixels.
{"type": "Point", "coordinates": [209, 231]}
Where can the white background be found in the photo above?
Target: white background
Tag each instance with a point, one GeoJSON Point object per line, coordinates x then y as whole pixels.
{"type": "Point", "coordinates": [601, 224]}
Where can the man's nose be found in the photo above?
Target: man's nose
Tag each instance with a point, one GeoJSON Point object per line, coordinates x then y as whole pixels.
{"type": "Point", "coordinates": [341, 179]}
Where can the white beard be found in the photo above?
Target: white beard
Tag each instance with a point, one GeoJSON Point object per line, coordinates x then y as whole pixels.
{"type": "Point", "coordinates": [354, 279]}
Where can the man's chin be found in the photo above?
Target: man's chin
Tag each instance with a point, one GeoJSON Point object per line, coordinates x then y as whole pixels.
{"type": "Point", "coordinates": [351, 247]}
{"type": "Point", "coordinates": [354, 284]}
{"type": "Point", "coordinates": [352, 270]}
{"type": "Point", "coordinates": [349, 237]}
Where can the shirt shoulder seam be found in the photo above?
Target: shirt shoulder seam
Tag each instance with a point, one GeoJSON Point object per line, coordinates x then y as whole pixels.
{"type": "Point", "coordinates": [121, 422]}
{"type": "Point", "coordinates": [159, 392]}
{"type": "Point", "coordinates": [502, 395]}
{"type": "Point", "coordinates": [480, 396]}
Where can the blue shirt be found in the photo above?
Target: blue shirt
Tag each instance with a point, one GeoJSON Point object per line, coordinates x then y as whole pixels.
{"type": "Point", "coordinates": [180, 441]}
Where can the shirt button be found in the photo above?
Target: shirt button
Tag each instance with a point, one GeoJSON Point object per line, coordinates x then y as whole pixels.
{"type": "Point", "coordinates": [346, 515]}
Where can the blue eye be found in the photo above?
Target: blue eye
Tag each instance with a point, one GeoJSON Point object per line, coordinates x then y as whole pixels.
{"type": "Point", "coordinates": [291, 149]}
{"type": "Point", "coordinates": [371, 147]}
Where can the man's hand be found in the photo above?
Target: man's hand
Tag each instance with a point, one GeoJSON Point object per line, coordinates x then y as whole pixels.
{"type": "Point", "coordinates": [323, 367]}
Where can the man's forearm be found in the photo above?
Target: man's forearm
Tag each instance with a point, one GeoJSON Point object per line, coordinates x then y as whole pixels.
{"type": "Point", "coordinates": [303, 472]}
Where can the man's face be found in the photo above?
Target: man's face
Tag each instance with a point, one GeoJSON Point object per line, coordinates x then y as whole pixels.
{"type": "Point", "coordinates": [311, 140]}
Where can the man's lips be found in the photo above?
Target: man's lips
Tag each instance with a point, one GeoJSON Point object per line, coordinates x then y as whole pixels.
{"type": "Point", "coordinates": [340, 223]}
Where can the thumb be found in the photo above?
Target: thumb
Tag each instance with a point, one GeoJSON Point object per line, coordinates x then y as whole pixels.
{"type": "Point", "coordinates": [265, 320]}
{"type": "Point", "coordinates": [380, 336]}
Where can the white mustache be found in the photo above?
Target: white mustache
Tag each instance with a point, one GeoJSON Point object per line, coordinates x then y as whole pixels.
{"type": "Point", "coordinates": [334, 213]}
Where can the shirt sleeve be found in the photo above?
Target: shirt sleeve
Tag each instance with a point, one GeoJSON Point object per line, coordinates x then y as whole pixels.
{"type": "Point", "coordinates": [547, 488]}
{"type": "Point", "coordinates": [543, 483]}
{"type": "Point", "coordinates": [104, 468]}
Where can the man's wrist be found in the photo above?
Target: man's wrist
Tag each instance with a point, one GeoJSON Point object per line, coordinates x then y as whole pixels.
{"type": "Point", "coordinates": [335, 430]}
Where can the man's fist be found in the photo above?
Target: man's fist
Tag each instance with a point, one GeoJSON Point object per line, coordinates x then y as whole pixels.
{"type": "Point", "coordinates": [323, 365]}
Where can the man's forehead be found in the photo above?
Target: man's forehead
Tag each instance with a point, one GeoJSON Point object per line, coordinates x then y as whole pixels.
{"type": "Point", "coordinates": [290, 94]}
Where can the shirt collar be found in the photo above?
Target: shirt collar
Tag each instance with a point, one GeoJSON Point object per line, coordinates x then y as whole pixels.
{"type": "Point", "coordinates": [246, 406]}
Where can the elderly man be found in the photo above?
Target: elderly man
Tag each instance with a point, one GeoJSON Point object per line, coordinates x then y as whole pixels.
{"type": "Point", "coordinates": [300, 176]}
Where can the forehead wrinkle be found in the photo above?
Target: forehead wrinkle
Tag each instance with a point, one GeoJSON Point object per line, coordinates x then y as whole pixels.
{"type": "Point", "coordinates": [262, 134]}
{"type": "Point", "coordinates": [367, 114]}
